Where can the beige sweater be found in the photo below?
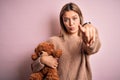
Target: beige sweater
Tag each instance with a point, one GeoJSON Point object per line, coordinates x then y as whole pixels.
{"type": "Point", "coordinates": [74, 62]}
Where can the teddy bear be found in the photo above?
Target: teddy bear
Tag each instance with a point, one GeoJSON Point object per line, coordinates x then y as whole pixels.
{"type": "Point", "coordinates": [47, 72]}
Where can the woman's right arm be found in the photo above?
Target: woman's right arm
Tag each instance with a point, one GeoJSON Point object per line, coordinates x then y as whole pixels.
{"type": "Point", "coordinates": [37, 65]}
{"type": "Point", "coordinates": [43, 60]}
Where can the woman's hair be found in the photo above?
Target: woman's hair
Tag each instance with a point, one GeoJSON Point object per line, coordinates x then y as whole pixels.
{"type": "Point", "coordinates": [69, 7]}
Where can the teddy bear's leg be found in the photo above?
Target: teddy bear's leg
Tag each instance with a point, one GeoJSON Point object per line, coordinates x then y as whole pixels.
{"type": "Point", "coordinates": [36, 76]}
{"type": "Point", "coordinates": [52, 74]}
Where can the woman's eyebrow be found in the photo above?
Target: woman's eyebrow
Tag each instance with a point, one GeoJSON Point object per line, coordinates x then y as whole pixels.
{"type": "Point", "coordinates": [74, 16]}
{"type": "Point", "coordinates": [68, 17]}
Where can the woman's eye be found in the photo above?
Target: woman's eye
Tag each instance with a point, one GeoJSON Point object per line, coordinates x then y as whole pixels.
{"type": "Point", "coordinates": [74, 18]}
{"type": "Point", "coordinates": [66, 20]}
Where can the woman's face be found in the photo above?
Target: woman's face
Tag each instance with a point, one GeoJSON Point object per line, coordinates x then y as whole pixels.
{"type": "Point", "coordinates": [71, 21]}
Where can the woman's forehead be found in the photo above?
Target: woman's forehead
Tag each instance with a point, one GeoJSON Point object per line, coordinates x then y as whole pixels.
{"type": "Point", "coordinates": [70, 13]}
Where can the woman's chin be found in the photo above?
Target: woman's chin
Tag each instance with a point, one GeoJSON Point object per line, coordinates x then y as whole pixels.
{"type": "Point", "coordinates": [73, 32]}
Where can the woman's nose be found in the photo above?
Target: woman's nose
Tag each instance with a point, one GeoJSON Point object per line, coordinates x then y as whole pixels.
{"type": "Point", "coordinates": [71, 22]}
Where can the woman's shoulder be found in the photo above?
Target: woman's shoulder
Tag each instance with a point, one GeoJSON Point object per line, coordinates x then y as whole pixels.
{"type": "Point", "coordinates": [54, 39]}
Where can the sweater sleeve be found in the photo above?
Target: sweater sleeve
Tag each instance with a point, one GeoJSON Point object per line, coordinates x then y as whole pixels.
{"type": "Point", "coordinates": [37, 65]}
{"type": "Point", "coordinates": [93, 48]}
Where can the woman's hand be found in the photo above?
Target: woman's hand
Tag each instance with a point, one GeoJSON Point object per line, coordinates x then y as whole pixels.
{"type": "Point", "coordinates": [89, 33]}
{"type": "Point", "coordinates": [49, 61]}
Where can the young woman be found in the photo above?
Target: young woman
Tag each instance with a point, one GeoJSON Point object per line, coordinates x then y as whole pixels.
{"type": "Point", "coordinates": [77, 41]}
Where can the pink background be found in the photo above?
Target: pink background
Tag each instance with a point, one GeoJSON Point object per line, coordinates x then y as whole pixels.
{"type": "Point", "coordinates": [25, 23]}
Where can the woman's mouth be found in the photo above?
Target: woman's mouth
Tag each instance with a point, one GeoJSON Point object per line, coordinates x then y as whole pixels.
{"type": "Point", "coordinates": [71, 28]}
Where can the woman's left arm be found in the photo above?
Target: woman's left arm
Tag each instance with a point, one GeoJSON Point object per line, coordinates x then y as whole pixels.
{"type": "Point", "coordinates": [91, 39]}
{"type": "Point", "coordinates": [94, 46]}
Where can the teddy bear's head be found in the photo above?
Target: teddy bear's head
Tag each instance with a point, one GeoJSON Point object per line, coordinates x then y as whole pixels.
{"type": "Point", "coordinates": [45, 46]}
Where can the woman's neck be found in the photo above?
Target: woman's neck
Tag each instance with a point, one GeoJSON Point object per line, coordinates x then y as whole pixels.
{"type": "Point", "coordinates": [73, 35]}
{"type": "Point", "coordinates": [72, 38]}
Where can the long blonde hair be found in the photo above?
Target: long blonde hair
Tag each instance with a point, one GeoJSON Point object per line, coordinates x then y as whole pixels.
{"type": "Point", "coordinates": [68, 7]}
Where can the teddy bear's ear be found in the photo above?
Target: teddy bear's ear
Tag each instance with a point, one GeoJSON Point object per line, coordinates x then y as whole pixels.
{"type": "Point", "coordinates": [35, 50]}
{"type": "Point", "coordinates": [34, 56]}
{"type": "Point", "coordinates": [38, 50]}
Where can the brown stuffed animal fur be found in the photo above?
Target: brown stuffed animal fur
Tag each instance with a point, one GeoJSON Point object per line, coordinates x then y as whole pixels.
{"type": "Point", "coordinates": [47, 72]}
